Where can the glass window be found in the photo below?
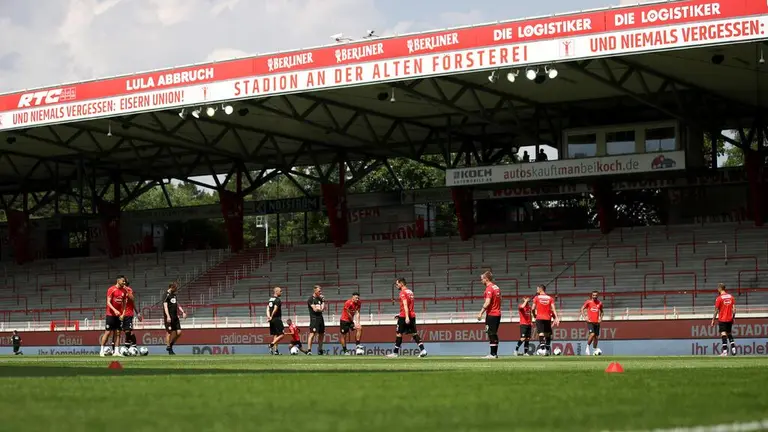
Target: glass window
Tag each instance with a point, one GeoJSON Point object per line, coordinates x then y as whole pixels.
{"type": "Point", "coordinates": [621, 142]}
{"type": "Point", "coordinates": [660, 139]}
{"type": "Point", "coordinates": [582, 146]}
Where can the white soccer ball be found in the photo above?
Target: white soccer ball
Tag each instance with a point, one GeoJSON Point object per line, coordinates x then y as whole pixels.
{"type": "Point", "coordinates": [557, 352]}
{"type": "Point", "coordinates": [144, 351]}
{"type": "Point", "coordinates": [360, 350]}
{"type": "Point", "coordinates": [541, 352]}
{"type": "Point", "coordinates": [295, 350]}
{"type": "Point", "coordinates": [597, 352]}
{"type": "Point", "coordinates": [133, 351]}
{"type": "Point", "coordinates": [123, 351]}
{"type": "Point", "coordinates": [108, 351]}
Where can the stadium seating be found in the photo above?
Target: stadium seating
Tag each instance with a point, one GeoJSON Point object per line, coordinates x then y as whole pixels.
{"type": "Point", "coordinates": [650, 270]}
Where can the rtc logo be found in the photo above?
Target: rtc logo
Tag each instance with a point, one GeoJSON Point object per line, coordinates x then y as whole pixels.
{"type": "Point", "coordinates": [46, 97]}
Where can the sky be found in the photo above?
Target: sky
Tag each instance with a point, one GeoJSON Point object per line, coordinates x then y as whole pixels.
{"type": "Point", "coordinates": [49, 42]}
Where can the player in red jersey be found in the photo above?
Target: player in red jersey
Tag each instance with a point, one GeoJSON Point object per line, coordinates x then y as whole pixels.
{"type": "Point", "coordinates": [295, 333]}
{"type": "Point", "coordinates": [545, 315]}
{"type": "Point", "coordinates": [524, 310]}
{"type": "Point", "coordinates": [594, 309]}
{"type": "Point", "coordinates": [725, 312]}
{"type": "Point", "coordinates": [406, 320]}
{"type": "Point", "coordinates": [115, 298]}
{"type": "Point", "coordinates": [349, 316]}
{"type": "Point", "coordinates": [492, 310]}
{"type": "Point", "coordinates": [129, 311]}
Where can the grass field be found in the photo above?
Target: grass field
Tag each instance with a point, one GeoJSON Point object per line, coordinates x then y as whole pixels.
{"type": "Point", "coordinates": [186, 393]}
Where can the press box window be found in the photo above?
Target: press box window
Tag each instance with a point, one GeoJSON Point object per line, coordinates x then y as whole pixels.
{"type": "Point", "coordinates": [621, 142]}
{"type": "Point", "coordinates": [660, 139]}
{"type": "Point", "coordinates": [582, 146]}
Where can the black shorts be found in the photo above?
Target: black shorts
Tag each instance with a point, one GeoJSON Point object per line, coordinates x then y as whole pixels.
{"type": "Point", "coordinates": [296, 344]}
{"type": "Point", "coordinates": [525, 331]}
{"type": "Point", "coordinates": [16, 348]}
{"type": "Point", "coordinates": [594, 328]}
{"type": "Point", "coordinates": [492, 324]}
{"type": "Point", "coordinates": [725, 326]}
{"type": "Point", "coordinates": [276, 327]}
{"type": "Point", "coordinates": [347, 327]}
{"type": "Point", "coordinates": [127, 323]}
{"type": "Point", "coordinates": [403, 328]}
{"type": "Point", "coordinates": [544, 326]}
{"type": "Point", "coordinates": [316, 324]}
{"type": "Point", "coordinates": [113, 323]}
{"type": "Point", "coordinates": [172, 325]}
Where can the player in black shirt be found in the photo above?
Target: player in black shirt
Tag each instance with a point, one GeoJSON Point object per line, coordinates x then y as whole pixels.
{"type": "Point", "coordinates": [316, 305]}
{"type": "Point", "coordinates": [16, 342]}
{"type": "Point", "coordinates": [171, 309]}
{"type": "Point", "coordinates": [275, 318]}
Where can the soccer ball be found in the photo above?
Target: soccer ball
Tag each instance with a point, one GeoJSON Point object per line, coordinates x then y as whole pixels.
{"type": "Point", "coordinates": [360, 350]}
{"type": "Point", "coordinates": [541, 352]}
{"type": "Point", "coordinates": [557, 352]}
{"type": "Point", "coordinates": [108, 351]}
{"type": "Point", "coordinates": [133, 351]}
{"type": "Point", "coordinates": [295, 350]}
{"type": "Point", "coordinates": [597, 352]}
{"type": "Point", "coordinates": [123, 351]}
{"type": "Point", "coordinates": [144, 351]}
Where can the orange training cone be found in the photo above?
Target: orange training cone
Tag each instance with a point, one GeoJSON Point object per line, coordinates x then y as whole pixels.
{"type": "Point", "coordinates": [614, 367]}
{"type": "Point", "coordinates": [115, 365]}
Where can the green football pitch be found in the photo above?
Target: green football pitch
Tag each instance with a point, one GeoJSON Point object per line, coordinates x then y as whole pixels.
{"type": "Point", "coordinates": [250, 393]}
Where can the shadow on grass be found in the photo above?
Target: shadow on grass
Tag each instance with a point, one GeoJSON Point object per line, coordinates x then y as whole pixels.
{"type": "Point", "coordinates": [58, 371]}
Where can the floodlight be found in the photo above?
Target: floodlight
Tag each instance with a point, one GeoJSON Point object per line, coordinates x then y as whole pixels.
{"type": "Point", "coordinates": [210, 111]}
{"type": "Point", "coordinates": [228, 109]}
{"type": "Point", "coordinates": [531, 73]}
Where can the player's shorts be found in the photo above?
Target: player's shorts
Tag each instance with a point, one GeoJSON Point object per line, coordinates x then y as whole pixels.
{"type": "Point", "coordinates": [296, 343]}
{"type": "Point", "coordinates": [127, 323]}
{"type": "Point", "coordinates": [276, 327]}
{"type": "Point", "coordinates": [403, 328]}
{"type": "Point", "coordinates": [16, 348]}
{"type": "Point", "coordinates": [594, 328]}
{"type": "Point", "coordinates": [316, 324]}
{"type": "Point", "coordinates": [492, 324]}
{"type": "Point", "coordinates": [347, 327]}
{"type": "Point", "coordinates": [525, 331]}
{"type": "Point", "coordinates": [113, 322]}
{"type": "Point", "coordinates": [725, 326]}
{"type": "Point", "coordinates": [543, 326]}
{"type": "Point", "coordinates": [173, 325]}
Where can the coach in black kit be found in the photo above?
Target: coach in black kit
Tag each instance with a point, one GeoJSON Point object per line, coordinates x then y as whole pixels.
{"type": "Point", "coordinates": [275, 319]}
{"type": "Point", "coordinates": [171, 309]}
{"type": "Point", "coordinates": [316, 305]}
{"type": "Point", "coordinates": [16, 342]}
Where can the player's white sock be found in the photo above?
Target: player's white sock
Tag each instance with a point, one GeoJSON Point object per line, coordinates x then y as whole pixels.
{"type": "Point", "coordinates": [587, 351]}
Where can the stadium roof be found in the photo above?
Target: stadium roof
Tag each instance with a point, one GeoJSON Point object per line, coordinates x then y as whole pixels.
{"type": "Point", "coordinates": [437, 92]}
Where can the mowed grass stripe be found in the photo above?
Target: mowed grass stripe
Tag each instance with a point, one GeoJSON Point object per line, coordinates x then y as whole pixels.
{"type": "Point", "coordinates": [349, 393]}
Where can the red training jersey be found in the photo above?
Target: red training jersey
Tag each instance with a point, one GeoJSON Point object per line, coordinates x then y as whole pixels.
{"type": "Point", "coordinates": [544, 305]}
{"type": "Point", "coordinates": [494, 293]}
{"type": "Point", "coordinates": [117, 296]}
{"type": "Point", "coordinates": [724, 304]}
{"type": "Point", "coordinates": [594, 307]}
{"type": "Point", "coordinates": [295, 332]}
{"type": "Point", "coordinates": [351, 307]}
{"type": "Point", "coordinates": [407, 294]}
{"type": "Point", "coordinates": [525, 314]}
{"type": "Point", "coordinates": [130, 306]}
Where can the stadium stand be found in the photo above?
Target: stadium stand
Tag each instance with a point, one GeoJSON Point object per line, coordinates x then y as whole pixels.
{"type": "Point", "coordinates": [638, 271]}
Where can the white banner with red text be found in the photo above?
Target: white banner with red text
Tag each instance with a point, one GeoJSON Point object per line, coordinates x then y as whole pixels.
{"type": "Point", "coordinates": [566, 168]}
{"type": "Point", "coordinates": [613, 32]}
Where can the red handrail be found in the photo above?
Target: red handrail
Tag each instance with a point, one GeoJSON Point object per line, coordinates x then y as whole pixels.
{"type": "Point", "coordinates": [324, 274]}
{"type": "Point", "coordinates": [306, 265]}
{"type": "Point", "coordinates": [483, 245]}
{"type": "Point", "coordinates": [730, 258]}
{"type": "Point", "coordinates": [422, 244]}
{"type": "Point", "coordinates": [585, 277]}
{"type": "Point", "coordinates": [551, 268]}
{"type": "Point", "coordinates": [608, 252]}
{"type": "Point", "coordinates": [448, 258]}
{"type": "Point", "coordinates": [394, 272]}
{"type": "Point", "coordinates": [525, 256]}
{"type": "Point", "coordinates": [470, 268]}
{"type": "Point", "coordinates": [636, 262]}
{"type": "Point", "coordinates": [755, 271]}
{"type": "Point", "coordinates": [375, 262]}
{"type": "Point", "coordinates": [355, 248]}
{"type": "Point", "coordinates": [676, 273]}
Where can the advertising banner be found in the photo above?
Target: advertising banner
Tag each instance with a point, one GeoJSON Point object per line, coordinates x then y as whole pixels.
{"type": "Point", "coordinates": [663, 337]}
{"type": "Point", "coordinates": [611, 32]}
{"type": "Point", "coordinates": [566, 168]}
